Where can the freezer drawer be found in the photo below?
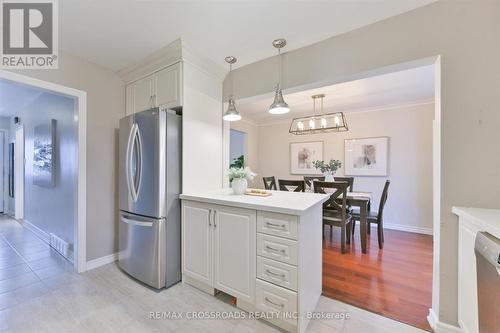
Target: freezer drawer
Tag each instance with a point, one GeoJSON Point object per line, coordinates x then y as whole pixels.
{"type": "Point", "coordinates": [142, 248]}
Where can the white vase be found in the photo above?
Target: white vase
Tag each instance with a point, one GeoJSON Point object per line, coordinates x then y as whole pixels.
{"type": "Point", "coordinates": [239, 185]}
{"type": "Point", "coordinates": [329, 177]}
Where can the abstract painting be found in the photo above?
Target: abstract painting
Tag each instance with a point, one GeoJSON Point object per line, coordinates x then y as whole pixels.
{"type": "Point", "coordinates": [302, 156]}
{"type": "Point", "coordinates": [366, 157]}
{"type": "Point", "coordinates": [43, 157]}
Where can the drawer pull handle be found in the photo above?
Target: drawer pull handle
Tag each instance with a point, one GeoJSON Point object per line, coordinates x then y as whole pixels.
{"type": "Point", "coordinates": [276, 226]}
{"type": "Point", "coordinates": [282, 276]}
{"type": "Point", "coordinates": [275, 250]}
{"type": "Point", "coordinates": [276, 304]}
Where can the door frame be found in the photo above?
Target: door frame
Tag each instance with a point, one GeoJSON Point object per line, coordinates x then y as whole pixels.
{"type": "Point", "coordinates": [19, 170]}
{"type": "Point", "coordinates": [4, 167]}
{"type": "Point", "coordinates": [80, 251]}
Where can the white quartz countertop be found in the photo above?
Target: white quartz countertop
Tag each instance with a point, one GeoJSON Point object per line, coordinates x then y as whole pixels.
{"type": "Point", "coordinates": [294, 203]}
{"type": "Point", "coordinates": [486, 219]}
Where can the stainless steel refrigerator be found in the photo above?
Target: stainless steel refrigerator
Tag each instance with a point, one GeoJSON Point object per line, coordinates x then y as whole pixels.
{"type": "Point", "coordinates": [149, 188]}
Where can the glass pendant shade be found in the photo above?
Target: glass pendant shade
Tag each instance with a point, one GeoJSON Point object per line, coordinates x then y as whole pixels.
{"type": "Point", "coordinates": [231, 113]}
{"type": "Point", "coordinates": [279, 105]}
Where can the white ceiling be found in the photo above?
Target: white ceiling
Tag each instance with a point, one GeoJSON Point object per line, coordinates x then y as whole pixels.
{"type": "Point", "coordinates": [117, 33]}
{"type": "Point", "coordinates": [14, 96]}
{"type": "Point", "coordinates": [370, 94]}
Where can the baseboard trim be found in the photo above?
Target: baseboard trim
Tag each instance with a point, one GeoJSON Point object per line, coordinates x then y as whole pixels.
{"type": "Point", "coordinates": [37, 231]}
{"type": "Point", "coordinates": [416, 230]}
{"type": "Point", "coordinates": [440, 327]}
{"type": "Point", "coordinates": [94, 263]}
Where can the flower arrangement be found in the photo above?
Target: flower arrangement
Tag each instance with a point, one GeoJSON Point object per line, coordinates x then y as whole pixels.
{"type": "Point", "coordinates": [330, 167]}
{"type": "Point", "coordinates": [241, 173]}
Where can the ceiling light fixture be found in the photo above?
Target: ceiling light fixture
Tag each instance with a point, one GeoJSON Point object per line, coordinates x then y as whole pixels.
{"type": "Point", "coordinates": [279, 105]}
{"type": "Point", "coordinates": [231, 113]}
{"type": "Point", "coordinates": [329, 122]}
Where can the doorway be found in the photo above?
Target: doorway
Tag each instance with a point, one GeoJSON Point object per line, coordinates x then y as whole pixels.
{"type": "Point", "coordinates": [79, 119]}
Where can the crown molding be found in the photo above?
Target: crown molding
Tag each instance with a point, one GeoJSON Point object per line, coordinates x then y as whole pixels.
{"type": "Point", "coordinates": [380, 108]}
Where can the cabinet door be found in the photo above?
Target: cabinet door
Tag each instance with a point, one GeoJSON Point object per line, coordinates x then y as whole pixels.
{"type": "Point", "coordinates": [235, 257]}
{"type": "Point", "coordinates": [197, 241]}
{"type": "Point", "coordinates": [142, 94]}
{"type": "Point", "coordinates": [168, 86]}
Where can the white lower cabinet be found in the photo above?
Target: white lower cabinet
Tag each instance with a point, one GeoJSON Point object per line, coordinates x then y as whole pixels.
{"type": "Point", "coordinates": [254, 256]}
{"type": "Point", "coordinates": [234, 244]}
{"type": "Point", "coordinates": [219, 247]}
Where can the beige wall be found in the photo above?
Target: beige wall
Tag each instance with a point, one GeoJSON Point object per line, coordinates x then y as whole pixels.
{"type": "Point", "coordinates": [465, 35]}
{"type": "Point", "coordinates": [410, 159]}
{"type": "Point", "coordinates": [105, 106]}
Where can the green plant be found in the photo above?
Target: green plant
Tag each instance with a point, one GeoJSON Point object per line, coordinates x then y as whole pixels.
{"type": "Point", "coordinates": [330, 167]}
{"type": "Point", "coordinates": [236, 173]}
{"type": "Point", "coordinates": [238, 162]}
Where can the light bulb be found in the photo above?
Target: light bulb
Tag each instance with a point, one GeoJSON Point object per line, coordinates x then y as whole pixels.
{"type": "Point", "coordinates": [337, 121]}
{"type": "Point", "coordinates": [300, 126]}
{"type": "Point", "coordinates": [312, 124]}
{"type": "Point", "coordinates": [323, 122]}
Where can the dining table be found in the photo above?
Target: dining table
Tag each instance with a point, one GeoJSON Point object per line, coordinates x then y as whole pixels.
{"type": "Point", "coordinates": [362, 200]}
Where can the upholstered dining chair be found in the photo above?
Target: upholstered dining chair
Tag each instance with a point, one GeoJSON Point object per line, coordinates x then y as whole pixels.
{"type": "Point", "coordinates": [270, 183]}
{"type": "Point", "coordinates": [335, 209]}
{"type": "Point", "coordinates": [349, 180]}
{"type": "Point", "coordinates": [292, 185]}
{"type": "Point", "coordinates": [376, 217]}
{"type": "Point", "coordinates": [310, 179]}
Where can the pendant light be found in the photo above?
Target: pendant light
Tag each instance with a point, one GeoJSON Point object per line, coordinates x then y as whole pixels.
{"type": "Point", "coordinates": [319, 123]}
{"type": "Point", "coordinates": [231, 113]}
{"type": "Point", "coordinates": [279, 105]}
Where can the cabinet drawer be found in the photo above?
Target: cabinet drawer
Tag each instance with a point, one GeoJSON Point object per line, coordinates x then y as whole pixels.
{"type": "Point", "coordinates": [276, 224]}
{"type": "Point", "coordinates": [281, 249]}
{"type": "Point", "coordinates": [276, 272]}
{"type": "Point", "coordinates": [271, 298]}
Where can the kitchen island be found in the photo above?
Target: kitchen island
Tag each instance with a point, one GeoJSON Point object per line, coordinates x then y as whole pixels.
{"type": "Point", "coordinates": [264, 251]}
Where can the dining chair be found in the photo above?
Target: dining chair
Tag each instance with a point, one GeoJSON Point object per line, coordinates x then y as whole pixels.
{"type": "Point", "coordinates": [270, 183]}
{"type": "Point", "coordinates": [335, 209]}
{"type": "Point", "coordinates": [309, 180]}
{"type": "Point", "coordinates": [349, 180]}
{"type": "Point", "coordinates": [297, 185]}
{"type": "Point", "coordinates": [376, 217]}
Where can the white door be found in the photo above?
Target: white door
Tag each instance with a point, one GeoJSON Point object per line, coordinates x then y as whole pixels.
{"type": "Point", "coordinates": [168, 87]}
{"type": "Point", "coordinates": [197, 241]}
{"type": "Point", "coordinates": [2, 172]}
{"type": "Point", "coordinates": [235, 257]}
{"type": "Point", "coordinates": [19, 174]}
{"type": "Point", "coordinates": [142, 92]}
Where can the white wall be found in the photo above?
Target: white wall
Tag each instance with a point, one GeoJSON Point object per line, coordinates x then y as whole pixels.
{"type": "Point", "coordinates": [5, 125]}
{"type": "Point", "coordinates": [465, 35]}
{"type": "Point", "coordinates": [409, 129]}
{"type": "Point", "coordinates": [105, 106]}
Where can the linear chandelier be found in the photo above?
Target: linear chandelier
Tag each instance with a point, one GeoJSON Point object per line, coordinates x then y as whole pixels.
{"type": "Point", "coordinates": [319, 123]}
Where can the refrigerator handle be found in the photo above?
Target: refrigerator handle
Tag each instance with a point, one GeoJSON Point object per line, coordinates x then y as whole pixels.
{"type": "Point", "coordinates": [137, 180]}
{"type": "Point", "coordinates": [131, 184]}
{"type": "Point", "coordinates": [138, 223]}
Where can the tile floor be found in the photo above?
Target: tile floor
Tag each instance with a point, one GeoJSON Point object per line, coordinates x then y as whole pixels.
{"type": "Point", "coordinates": [39, 292]}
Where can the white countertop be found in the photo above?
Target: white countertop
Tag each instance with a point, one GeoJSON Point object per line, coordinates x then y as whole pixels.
{"type": "Point", "coordinates": [294, 203]}
{"type": "Point", "coordinates": [486, 219]}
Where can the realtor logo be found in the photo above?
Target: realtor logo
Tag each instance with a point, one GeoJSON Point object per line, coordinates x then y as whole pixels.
{"type": "Point", "coordinates": [29, 34]}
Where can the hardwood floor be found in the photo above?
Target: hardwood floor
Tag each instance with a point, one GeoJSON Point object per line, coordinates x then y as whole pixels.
{"type": "Point", "coordinates": [395, 282]}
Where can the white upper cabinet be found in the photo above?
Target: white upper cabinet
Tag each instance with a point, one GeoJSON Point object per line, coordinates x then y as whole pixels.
{"type": "Point", "coordinates": [141, 95]}
{"type": "Point", "coordinates": [162, 88]}
{"type": "Point", "coordinates": [168, 86]}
